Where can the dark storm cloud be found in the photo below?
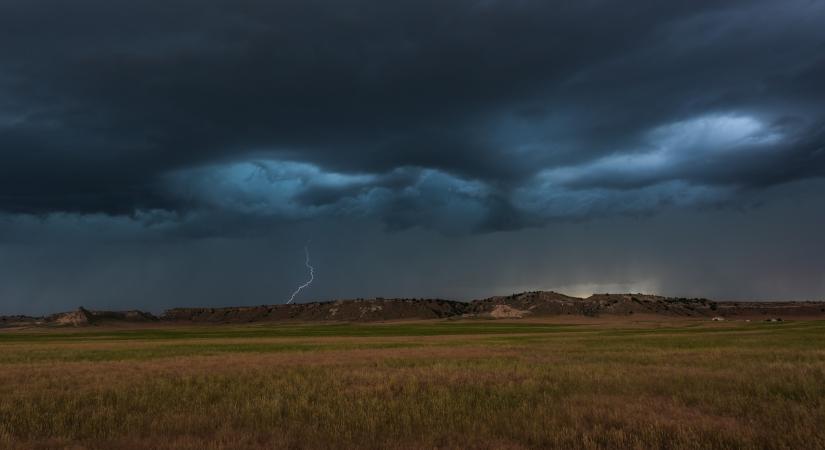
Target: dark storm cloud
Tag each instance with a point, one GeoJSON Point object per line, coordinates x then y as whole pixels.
{"type": "Point", "coordinates": [456, 115]}
{"type": "Point", "coordinates": [766, 253]}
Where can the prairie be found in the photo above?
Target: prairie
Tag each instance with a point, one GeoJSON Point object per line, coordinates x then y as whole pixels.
{"type": "Point", "coordinates": [437, 384]}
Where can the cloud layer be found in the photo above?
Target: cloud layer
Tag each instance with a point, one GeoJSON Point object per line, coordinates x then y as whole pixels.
{"type": "Point", "coordinates": [461, 116]}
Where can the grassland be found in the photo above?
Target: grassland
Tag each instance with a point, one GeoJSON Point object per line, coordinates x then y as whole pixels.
{"type": "Point", "coordinates": [478, 384]}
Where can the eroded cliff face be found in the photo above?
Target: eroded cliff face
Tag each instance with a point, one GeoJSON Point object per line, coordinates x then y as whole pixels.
{"type": "Point", "coordinates": [75, 318]}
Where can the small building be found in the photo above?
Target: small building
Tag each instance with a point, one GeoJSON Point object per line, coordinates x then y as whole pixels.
{"type": "Point", "coordinates": [718, 319]}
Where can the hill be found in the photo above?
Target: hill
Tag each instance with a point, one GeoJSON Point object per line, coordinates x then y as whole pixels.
{"type": "Point", "coordinates": [359, 310]}
{"type": "Point", "coordinates": [523, 305]}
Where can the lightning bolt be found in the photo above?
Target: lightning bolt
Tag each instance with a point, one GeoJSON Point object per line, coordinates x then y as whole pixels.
{"type": "Point", "coordinates": [311, 276]}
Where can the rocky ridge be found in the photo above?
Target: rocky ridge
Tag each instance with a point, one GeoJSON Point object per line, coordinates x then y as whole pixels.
{"type": "Point", "coordinates": [522, 305]}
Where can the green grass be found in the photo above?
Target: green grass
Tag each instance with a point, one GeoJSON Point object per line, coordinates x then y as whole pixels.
{"type": "Point", "coordinates": [279, 330]}
{"type": "Point", "coordinates": [205, 341]}
{"type": "Point", "coordinates": [433, 385]}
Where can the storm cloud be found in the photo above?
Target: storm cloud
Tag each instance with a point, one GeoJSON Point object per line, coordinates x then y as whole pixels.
{"type": "Point", "coordinates": [503, 114]}
{"type": "Point", "coordinates": [218, 119]}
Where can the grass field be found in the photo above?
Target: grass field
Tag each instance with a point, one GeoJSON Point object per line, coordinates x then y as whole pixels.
{"type": "Point", "coordinates": [476, 384]}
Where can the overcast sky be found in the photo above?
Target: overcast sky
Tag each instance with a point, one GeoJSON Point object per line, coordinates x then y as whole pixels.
{"type": "Point", "coordinates": [158, 154]}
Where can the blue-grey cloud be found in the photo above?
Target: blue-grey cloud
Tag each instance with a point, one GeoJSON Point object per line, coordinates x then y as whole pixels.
{"type": "Point", "coordinates": [459, 116]}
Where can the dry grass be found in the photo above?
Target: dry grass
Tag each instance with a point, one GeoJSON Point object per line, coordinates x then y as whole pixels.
{"type": "Point", "coordinates": [406, 386]}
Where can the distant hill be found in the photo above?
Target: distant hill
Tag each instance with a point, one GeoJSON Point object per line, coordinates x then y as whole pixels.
{"type": "Point", "coordinates": [544, 303]}
{"type": "Point", "coordinates": [341, 310]}
{"type": "Point", "coordinates": [79, 317]}
{"type": "Point", "coordinates": [522, 305]}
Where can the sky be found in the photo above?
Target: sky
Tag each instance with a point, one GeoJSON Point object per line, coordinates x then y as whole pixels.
{"type": "Point", "coordinates": [183, 153]}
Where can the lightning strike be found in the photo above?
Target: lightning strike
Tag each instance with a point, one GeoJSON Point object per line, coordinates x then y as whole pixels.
{"type": "Point", "coordinates": [311, 276]}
